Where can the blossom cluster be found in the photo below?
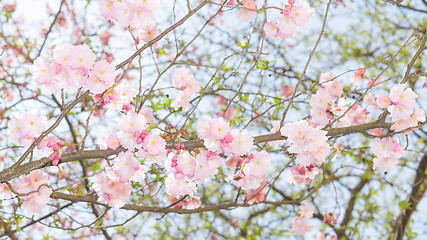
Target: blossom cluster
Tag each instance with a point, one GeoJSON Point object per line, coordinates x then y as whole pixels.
{"type": "Point", "coordinates": [291, 18]}
{"type": "Point", "coordinates": [324, 106]}
{"type": "Point", "coordinates": [307, 142]}
{"type": "Point", "coordinates": [310, 146]}
{"type": "Point", "coordinates": [322, 101]}
{"type": "Point", "coordinates": [183, 80]}
{"type": "Point", "coordinates": [52, 145]}
{"type": "Point", "coordinates": [302, 174]}
{"type": "Point", "coordinates": [387, 152]}
{"type": "Point", "coordinates": [401, 104]}
{"type": "Point", "coordinates": [358, 76]}
{"type": "Point", "coordinates": [118, 98]}
{"type": "Point", "coordinates": [34, 202]}
{"type": "Point", "coordinates": [218, 137]}
{"type": "Point", "coordinates": [24, 128]}
{"type": "Point", "coordinates": [136, 14]}
{"type": "Point", "coordinates": [185, 171]}
{"type": "Point", "coordinates": [73, 66]}
{"type": "Point", "coordinates": [133, 135]}
{"type": "Point", "coordinates": [113, 188]}
{"type": "Point", "coordinates": [301, 226]}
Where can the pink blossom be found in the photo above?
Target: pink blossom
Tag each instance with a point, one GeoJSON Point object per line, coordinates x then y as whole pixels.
{"type": "Point", "coordinates": [248, 12]}
{"type": "Point", "coordinates": [42, 71]}
{"type": "Point", "coordinates": [307, 142]}
{"type": "Point", "coordinates": [256, 195]}
{"type": "Point", "coordinates": [233, 161]}
{"type": "Point", "coordinates": [301, 14]}
{"type": "Point", "coordinates": [149, 32]}
{"type": "Point", "coordinates": [399, 112]}
{"type": "Point", "coordinates": [306, 211]}
{"type": "Point", "coordinates": [213, 160]}
{"type": "Point", "coordinates": [113, 142]}
{"type": "Point", "coordinates": [104, 71]}
{"type": "Point", "coordinates": [374, 84]}
{"type": "Point", "coordinates": [356, 78]}
{"type": "Point", "coordinates": [300, 227]}
{"type": "Point", "coordinates": [403, 96]}
{"type": "Point", "coordinates": [123, 12]}
{"type": "Point", "coordinates": [127, 140]}
{"type": "Point", "coordinates": [187, 164]}
{"type": "Point", "coordinates": [242, 142]}
{"type": "Point", "coordinates": [26, 127]}
{"type": "Point", "coordinates": [181, 77]}
{"type": "Point", "coordinates": [331, 85]}
{"type": "Point", "coordinates": [181, 102]}
{"type": "Point", "coordinates": [383, 101]}
{"type": "Point", "coordinates": [106, 8]}
{"type": "Point", "coordinates": [238, 179]}
{"type": "Point", "coordinates": [35, 202]}
{"type": "Point", "coordinates": [128, 168]}
{"type": "Point", "coordinates": [321, 99]}
{"type": "Point", "coordinates": [154, 144]}
{"type": "Point", "coordinates": [203, 169]}
{"type": "Point", "coordinates": [369, 99]}
{"type": "Point", "coordinates": [111, 192]}
{"type": "Point", "coordinates": [82, 57]}
{"type": "Point", "coordinates": [301, 175]}
{"type": "Point", "coordinates": [132, 122]}
{"type": "Point", "coordinates": [203, 127]}
{"type": "Point", "coordinates": [271, 30]}
{"type": "Point", "coordinates": [356, 115]}
{"type": "Point", "coordinates": [258, 164]}
{"type": "Point", "coordinates": [319, 117]}
{"type": "Point", "coordinates": [325, 78]}
{"type": "Point", "coordinates": [218, 128]}
{"type": "Point", "coordinates": [387, 152]}
{"type": "Point", "coordinates": [376, 132]}
{"type": "Point", "coordinates": [147, 113]}
{"type": "Point", "coordinates": [61, 54]}
{"type": "Point", "coordinates": [286, 91]}
{"type": "Point", "coordinates": [141, 16]}
{"type": "Point", "coordinates": [5, 192]}
{"type": "Point", "coordinates": [188, 202]}
{"type": "Point", "coordinates": [179, 187]}
{"type": "Point", "coordinates": [385, 164]}
{"type": "Point", "coordinates": [287, 27]}
{"type": "Point", "coordinates": [330, 218]}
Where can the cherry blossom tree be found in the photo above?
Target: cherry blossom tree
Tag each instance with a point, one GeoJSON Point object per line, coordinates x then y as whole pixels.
{"type": "Point", "coordinates": [213, 119]}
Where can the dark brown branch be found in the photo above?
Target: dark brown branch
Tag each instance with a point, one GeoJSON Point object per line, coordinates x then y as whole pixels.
{"type": "Point", "coordinates": [93, 199]}
{"type": "Point", "coordinates": [418, 189]}
{"type": "Point", "coordinates": [10, 173]}
{"type": "Point", "coordinates": [350, 206]}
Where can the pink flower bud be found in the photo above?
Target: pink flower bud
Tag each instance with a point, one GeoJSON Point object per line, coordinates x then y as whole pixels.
{"type": "Point", "coordinates": [55, 162]}
{"type": "Point", "coordinates": [55, 147]}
